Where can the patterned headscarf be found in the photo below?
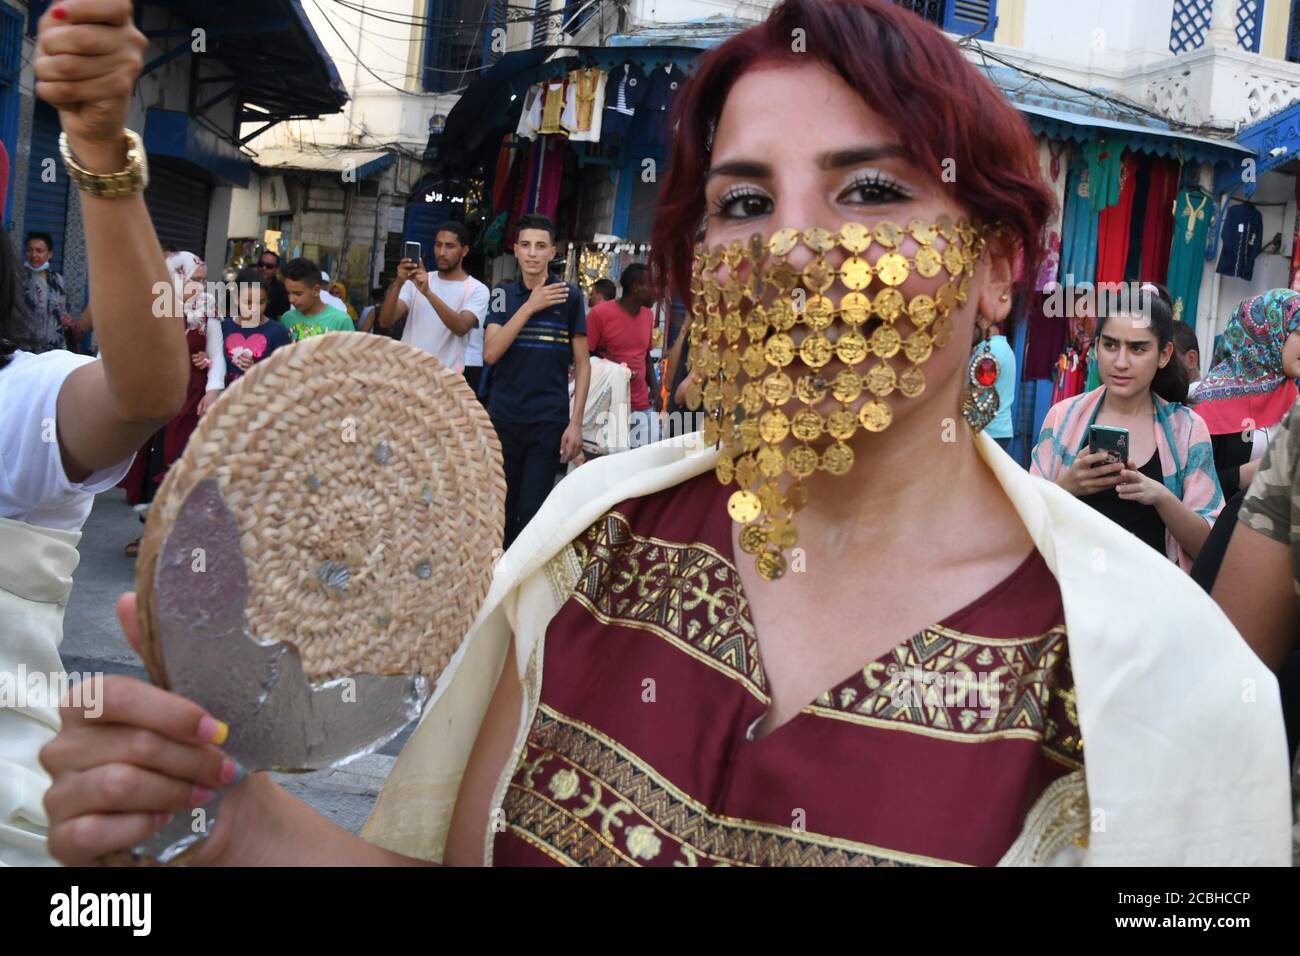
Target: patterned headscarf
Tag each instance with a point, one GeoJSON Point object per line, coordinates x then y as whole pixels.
{"type": "Point", "coordinates": [1250, 374]}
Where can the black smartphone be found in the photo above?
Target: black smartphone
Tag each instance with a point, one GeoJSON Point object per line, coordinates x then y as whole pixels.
{"type": "Point", "coordinates": [1113, 441]}
{"type": "Point", "coordinates": [412, 251]}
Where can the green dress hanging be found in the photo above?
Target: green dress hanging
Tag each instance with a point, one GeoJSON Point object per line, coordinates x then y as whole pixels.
{"type": "Point", "coordinates": [1192, 212]}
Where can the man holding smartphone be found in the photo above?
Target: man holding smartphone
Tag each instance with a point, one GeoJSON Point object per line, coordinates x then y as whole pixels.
{"type": "Point", "coordinates": [535, 329]}
{"type": "Point", "coordinates": [442, 309]}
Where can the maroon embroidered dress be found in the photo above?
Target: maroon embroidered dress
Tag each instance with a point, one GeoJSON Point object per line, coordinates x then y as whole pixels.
{"type": "Point", "coordinates": [889, 767]}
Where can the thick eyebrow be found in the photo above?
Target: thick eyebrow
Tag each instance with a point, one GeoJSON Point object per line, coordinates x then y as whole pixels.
{"type": "Point", "coordinates": [1131, 342]}
{"type": "Point", "coordinates": [838, 159]}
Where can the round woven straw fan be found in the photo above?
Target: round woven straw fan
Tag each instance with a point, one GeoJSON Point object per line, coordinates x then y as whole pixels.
{"type": "Point", "coordinates": [354, 452]}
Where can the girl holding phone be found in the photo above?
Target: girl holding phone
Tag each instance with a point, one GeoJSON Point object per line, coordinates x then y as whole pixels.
{"type": "Point", "coordinates": [1166, 493]}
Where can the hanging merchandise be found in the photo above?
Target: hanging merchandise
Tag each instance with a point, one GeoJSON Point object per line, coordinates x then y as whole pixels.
{"type": "Point", "coordinates": [553, 107]}
{"type": "Point", "coordinates": [1137, 219]}
{"type": "Point", "coordinates": [1053, 160]}
{"type": "Point", "coordinates": [1295, 239]}
{"type": "Point", "coordinates": [1217, 212]}
{"type": "Point", "coordinates": [1242, 234]}
{"type": "Point", "coordinates": [507, 161]}
{"type": "Point", "coordinates": [550, 175]}
{"type": "Point", "coordinates": [1103, 157]}
{"type": "Point", "coordinates": [1158, 221]}
{"type": "Point", "coordinates": [530, 118]}
{"type": "Point", "coordinates": [661, 87]}
{"type": "Point", "coordinates": [593, 265]}
{"type": "Point", "coordinates": [1079, 228]}
{"type": "Point", "coordinates": [1186, 257]}
{"type": "Point", "coordinates": [1047, 336]}
{"type": "Point", "coordinates": [584, 104]}
{"type": "Point", "coordinates": [1113, 226]}
{"type": "Point", "coordinates": [625, 90]}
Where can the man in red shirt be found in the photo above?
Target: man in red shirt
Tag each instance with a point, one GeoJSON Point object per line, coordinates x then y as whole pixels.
{"type": "Point", "coordinates": [620, 331]}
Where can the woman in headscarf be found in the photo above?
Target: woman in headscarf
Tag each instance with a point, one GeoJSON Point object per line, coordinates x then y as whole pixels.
{"type": "Point", "coordinates": [340, 291]}
{"type": "Point", "coordinates": [197, 307]}
{"type": "Point", "coordinates": [1247, 393]}
{"type": "Point", "coordinates": [659, 677]}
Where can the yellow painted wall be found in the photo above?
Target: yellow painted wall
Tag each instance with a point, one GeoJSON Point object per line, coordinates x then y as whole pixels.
{"type": "Point", "coordinates": [1011, 23]}
{"type": "Point", "coordinates": [1272, 40]}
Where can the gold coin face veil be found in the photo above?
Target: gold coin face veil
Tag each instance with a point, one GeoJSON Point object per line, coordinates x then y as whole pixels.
{"type": "Point", "coordinates": [771, 344]}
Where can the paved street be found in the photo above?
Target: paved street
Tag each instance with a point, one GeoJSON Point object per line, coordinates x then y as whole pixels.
{"type": "Point", "coordinates": [93, 642]}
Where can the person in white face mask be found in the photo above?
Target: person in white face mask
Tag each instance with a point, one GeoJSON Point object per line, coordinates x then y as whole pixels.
{"type": "Point", "coordinates": [43, 294]}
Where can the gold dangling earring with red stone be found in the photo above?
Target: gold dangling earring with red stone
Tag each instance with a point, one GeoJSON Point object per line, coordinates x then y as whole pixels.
{"type": "Point", "coordinates": [980, 401]}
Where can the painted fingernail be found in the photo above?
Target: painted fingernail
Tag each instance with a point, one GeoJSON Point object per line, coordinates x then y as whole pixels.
{"type": "Point", "coordinates": [60, 12]}
{"type": "Point", "coordinates": [201, 795]}
{"type": "Point", "coordinates": [213, 730]}
{"type": "Point", "coordinates": [161, 820]}
{"type": "Point", "coordinates": [231, 772]}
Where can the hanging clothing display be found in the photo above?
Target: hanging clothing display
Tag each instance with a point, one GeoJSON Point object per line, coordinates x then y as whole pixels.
{"type": "Point", "coordinates": [1217, 212]}
{"type": "Point", "coordinates": [507, 156]}
{"type": "Point", "coordinates": [1047, 335]}
{"type": "Point", "coordinates": [1053, 164]}
{"type": "Point", "coordinates": [550, 175]}
{"type": "Point", "coordinates": [1103, 158]}
{"type": "Point", "coordinates": [1079, 227]}
{"type": "Point", "coordinates": [553, 108]}
{"type": "Point", "coordinates": [1295, 238]}
{"type": "Point", "coordinates": [1186, 260]}
{"type": "Point", "coordinates": [1242, 235]}
{"type": "Point", "coordinates": [530, 118]}
{"type": "Point", "coordinates": [1158, 222]}
{"type": "Point", "coordinates": [584, 105]}
{"type": "Point", "coordinates": [1113, 226]}
{"type": "Point", "coordinates": [661, 87]}
{"type": "Point", "coordinates": [625, 90]}
{"type": "Point", "coordinates": [1137, 219]}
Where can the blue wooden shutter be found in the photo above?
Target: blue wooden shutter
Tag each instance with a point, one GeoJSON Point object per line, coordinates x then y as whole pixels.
{"type": "Point", "coordinates": [971, 17]}
{"type": "Point", "coordinates": [1293, 34]}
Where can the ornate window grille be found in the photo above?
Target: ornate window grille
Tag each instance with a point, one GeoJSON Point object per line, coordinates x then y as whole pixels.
{"type": "Point", "coordinates": [1249, 20]}
{"type": "Point", "coordinates": [1189, 24]}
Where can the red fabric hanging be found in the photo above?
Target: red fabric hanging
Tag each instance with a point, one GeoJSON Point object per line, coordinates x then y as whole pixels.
{"type": "Point", "coordinates": [1113, 226]}
{"type": "Point", "coordinates": [1158, 227]}
{"type": "Point", "coordinates": [502, 183]}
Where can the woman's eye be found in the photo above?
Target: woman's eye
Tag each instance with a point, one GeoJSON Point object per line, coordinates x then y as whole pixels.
{"type": "Point", "coordinates": [875, 190]}
{"type": "Point", "coordinates": [743, 205]}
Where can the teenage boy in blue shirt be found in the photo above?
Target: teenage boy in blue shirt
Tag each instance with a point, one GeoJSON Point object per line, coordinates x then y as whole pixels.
{"type": "Point", "coordinates": [536, 328]}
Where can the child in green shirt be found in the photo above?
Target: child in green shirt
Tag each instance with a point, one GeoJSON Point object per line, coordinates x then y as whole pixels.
{"type": "Point", "coordinates": [309, 315]}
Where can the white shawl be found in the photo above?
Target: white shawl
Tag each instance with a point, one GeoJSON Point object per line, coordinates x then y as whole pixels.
{"type": "Point", "coordinates": [1185, 751]}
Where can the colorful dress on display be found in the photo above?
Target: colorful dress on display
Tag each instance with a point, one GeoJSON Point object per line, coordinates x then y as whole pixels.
{"type": "Point", "coordinates": [1113, 225]}
{"type": "Point", "coordinates": [1053, 163]}
{"type": "Point", "coordinates": [673, 775]}
{"type": "Point", "coordinates": [1158, 224]}
{"type": "Point", "coordinates": [1187, 253]}
{"type": "Point", "coordinates": [1079, 228]}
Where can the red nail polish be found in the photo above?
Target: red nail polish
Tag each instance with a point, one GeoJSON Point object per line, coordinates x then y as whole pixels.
{"type": "Point", "coordinates": [60, 12]}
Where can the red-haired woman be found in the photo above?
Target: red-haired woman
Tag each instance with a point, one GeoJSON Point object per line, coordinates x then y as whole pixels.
{"type": "Point", "coordinates": [895, 651]}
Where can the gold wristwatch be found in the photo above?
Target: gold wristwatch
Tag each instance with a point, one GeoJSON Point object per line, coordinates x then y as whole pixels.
{"type": "Point", "coordinates": [127, 182]}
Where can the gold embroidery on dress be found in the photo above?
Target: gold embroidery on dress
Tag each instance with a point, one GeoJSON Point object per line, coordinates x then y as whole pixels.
{"type": "Point", "coordinates": [1194, 215]}
{"type": "Point", "coordinates": [687, 594]}
{"type": "Point", "coordinates": [618, 810]}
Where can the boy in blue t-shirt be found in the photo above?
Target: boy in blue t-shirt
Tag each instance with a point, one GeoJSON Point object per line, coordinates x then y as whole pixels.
{"type": "Point", "coordinates": [253, 335]}
{"type": "Point", "coordinates": [536, 328]}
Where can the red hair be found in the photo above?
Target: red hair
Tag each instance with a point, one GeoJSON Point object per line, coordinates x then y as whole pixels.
{"type": "Point", "coordinates": [908, 72]}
